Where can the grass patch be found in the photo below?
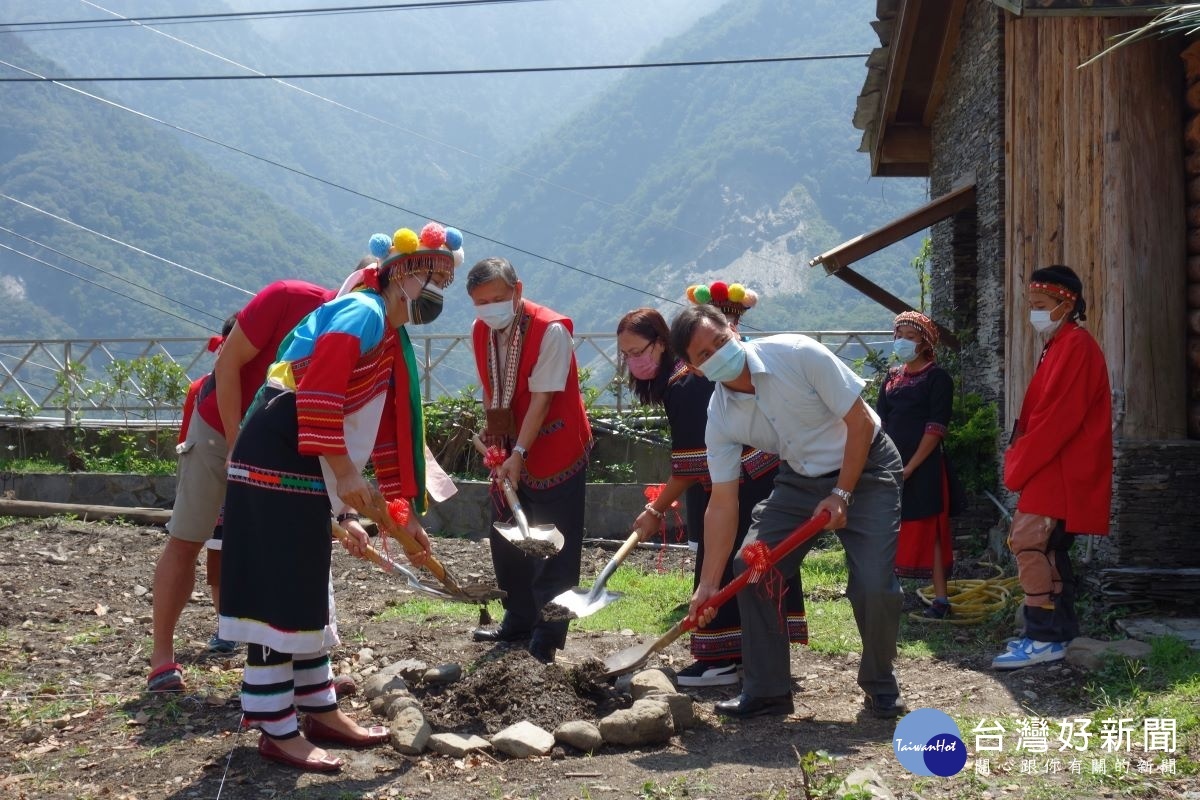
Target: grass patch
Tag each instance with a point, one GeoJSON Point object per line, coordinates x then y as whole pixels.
{"type": "Point", "coordinates": [31, 465]}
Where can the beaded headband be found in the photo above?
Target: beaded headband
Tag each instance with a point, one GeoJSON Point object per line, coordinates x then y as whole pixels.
{"type": "Point", "coordinates": [1053, 289]}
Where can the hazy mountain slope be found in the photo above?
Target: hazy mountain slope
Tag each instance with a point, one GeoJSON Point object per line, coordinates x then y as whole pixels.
{"type": "Point", "coordinates": [123, 177]}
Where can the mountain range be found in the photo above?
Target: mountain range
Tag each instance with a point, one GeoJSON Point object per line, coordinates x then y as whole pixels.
{"type": "Point", "coordinates": [607, 189]}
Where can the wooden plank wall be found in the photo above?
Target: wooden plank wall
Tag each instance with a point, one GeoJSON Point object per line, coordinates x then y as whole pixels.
{"type": "Point", "coordinates": [1094, 180]}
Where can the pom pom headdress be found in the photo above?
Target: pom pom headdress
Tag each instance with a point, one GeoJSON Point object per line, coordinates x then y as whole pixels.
{"type": "Point", "coordinates": [436, 249]}
{"type": "Point", "coordinates": [733, 299]}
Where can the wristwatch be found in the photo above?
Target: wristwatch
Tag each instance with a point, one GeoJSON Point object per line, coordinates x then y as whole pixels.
{"type": "Point", "coordinates": [521, 450]}
{"type": "Point", "coordinates": [842, 493]}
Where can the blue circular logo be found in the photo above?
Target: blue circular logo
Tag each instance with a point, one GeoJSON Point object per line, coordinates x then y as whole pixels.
{"type": "Point", "coordinates": [928, 742]}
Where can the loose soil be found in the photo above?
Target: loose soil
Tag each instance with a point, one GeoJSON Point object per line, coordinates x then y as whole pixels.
{"type": "Point", "coordinates": [75, 722]}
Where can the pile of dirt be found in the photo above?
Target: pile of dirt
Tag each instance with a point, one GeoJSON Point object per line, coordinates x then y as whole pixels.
{"type": "Point", "coordinates": [509, 686]}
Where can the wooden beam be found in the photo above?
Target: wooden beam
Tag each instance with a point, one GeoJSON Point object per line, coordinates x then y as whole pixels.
{"type": "Point", "coordinates": [905, 144]}
{"type": "Point", "coordinates": [862, 246]}
{"type": "Point", "coordinates": [941, 73]}
{"type": "Point", "coordinates": [889, 300]}
{"type": "Point", "coordinates": [33, 508]}
{"type": "Point", "coordinates": [899, 50]}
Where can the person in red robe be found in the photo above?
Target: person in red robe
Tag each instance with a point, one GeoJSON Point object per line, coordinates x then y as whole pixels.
{"type": "Point", "coordinates": [1060, 462]}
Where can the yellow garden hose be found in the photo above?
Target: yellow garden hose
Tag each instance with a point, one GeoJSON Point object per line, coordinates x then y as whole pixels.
{"type": "Point", "coordinates": [974, 600]}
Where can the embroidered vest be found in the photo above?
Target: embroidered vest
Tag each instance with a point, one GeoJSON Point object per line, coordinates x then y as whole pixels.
{"type": "Point", "coordinates": [565, 439]}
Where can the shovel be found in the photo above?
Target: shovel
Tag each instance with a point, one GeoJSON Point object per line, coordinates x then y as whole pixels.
{"type": "Point", "coordinates": [540, 541]}
{"type": "Point", "coordinates": [381, 559]}
{"type": "Point", "coordinates": [631, 658]}
{"type": "Point", "coordinates": [576, 603]}
{"type": "Point", "coordinates": [472, 593]}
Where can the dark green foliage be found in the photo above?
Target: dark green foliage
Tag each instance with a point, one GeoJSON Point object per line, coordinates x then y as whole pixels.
{"type": "Point", "coordinates": [971, 441]}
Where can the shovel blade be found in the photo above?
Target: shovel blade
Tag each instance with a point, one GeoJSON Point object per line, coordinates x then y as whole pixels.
{"type": "Point", "coordinates": [627, 660]}
{"type": "Point", "coordinates": [543, 540]}
{"type": "Point", "coordinates": [577, 603]}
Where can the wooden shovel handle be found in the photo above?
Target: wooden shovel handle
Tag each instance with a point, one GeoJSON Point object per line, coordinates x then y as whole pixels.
{"type": "Point", "coordinates": [378, 512]}
{"type": "Point", "coordinates": [371, 554]}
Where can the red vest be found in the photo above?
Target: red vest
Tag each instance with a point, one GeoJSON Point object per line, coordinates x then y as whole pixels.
{"type": "Point", "coordinates": [565, 439]}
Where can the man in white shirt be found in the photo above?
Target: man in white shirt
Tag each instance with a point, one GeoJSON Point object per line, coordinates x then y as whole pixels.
{"type": "Point", "coordinates": [790, 395]}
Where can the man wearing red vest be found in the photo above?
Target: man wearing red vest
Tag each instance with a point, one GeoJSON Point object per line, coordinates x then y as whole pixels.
{"type": "Point", "coordinates": [526, 365]}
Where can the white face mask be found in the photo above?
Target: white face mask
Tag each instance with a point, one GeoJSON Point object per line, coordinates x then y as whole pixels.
{"type": "Point", "coordinates": [496, 316]}
{"type": "Point", "coordinates": [1040, 320]}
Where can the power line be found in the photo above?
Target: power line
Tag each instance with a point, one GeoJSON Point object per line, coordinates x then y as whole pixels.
{"type": "Point", "coordinates": [132, 247]}
{"type": "Point", "coordinates": [389, 123]}
{"type": "Point", "coordinates": [439, 72]}
{"type": "Point", "coordinates": [135, 284]}
{"type": "Point", "coordinates": [233, 16]}
{"type": "Point", "coordinates": [100, 285]}
{"type": "Point", "coordinates": [325, 181]}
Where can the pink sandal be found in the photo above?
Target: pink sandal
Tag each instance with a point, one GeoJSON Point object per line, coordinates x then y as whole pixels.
{"type": "Point", "coordinates": [167, 678]}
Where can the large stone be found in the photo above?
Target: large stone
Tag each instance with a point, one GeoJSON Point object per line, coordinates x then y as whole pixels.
{"type": "Point", "coordinates": [1090, 654]}
{"type": "Point", "coordinates": [411, 669]}
{"type": "Point", "coordinates": [385, 681]}
{"type": "Point", "coordinates": [389, 704]}
{"type": "Point", "coordinates": [580, 734]}
{"type": "Point", "coordinates": [442, 674]}
{"type": "Point", "coordinates": [648, 721]}
{"type": "Point", "coordinates": [523, 740]}
{"type": "Point", "coordinates": [865, 780]}
{"type": "Point", "coordinates": [683, 712]}
{"type": "Point", "coordinates": [451, 744]}
{"type": "Point", "coordinates": [410, 731]}
{"type": "Point", "coordinates": [650, 681]}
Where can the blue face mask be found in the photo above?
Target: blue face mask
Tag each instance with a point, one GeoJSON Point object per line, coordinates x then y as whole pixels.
{"type": "Point", "coordinates": [905, 350]}
{"type": "Point", "coordinates": [726, 364]}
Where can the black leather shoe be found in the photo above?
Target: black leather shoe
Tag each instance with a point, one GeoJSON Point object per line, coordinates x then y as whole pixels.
{"type": "Point", "coordinates": [885, 706]}
{"type": "Point", "coordinates": [500, 634]}
{"type": "Point", "coordinates": [542, 652]}
{"type": "Point", "coordinates": [746, 706]}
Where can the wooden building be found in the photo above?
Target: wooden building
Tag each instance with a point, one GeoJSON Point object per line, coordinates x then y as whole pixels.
{"type": "Point", "coordinates": [1034, 160]}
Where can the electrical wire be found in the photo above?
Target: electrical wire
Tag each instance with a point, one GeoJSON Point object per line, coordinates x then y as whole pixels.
{"type": "Point", "coordinates": [427, 73]}
{"type": "Point", "coordinates": [235, 16]}
{"type": "Point", "coordinates": [132, 247]}
{"type": "Point", "coordinates": [325, 181]}
{"type": "Point", "coordinates": [100, 285]}
{"type": "Point", "coordinates": [135, 284]}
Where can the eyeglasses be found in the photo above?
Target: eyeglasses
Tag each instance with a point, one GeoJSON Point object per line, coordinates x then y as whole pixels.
{"type": "Point", "coordinates": [638, 353]}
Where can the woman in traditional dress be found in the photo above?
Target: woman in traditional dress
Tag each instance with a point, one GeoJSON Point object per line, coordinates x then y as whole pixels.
{"type": "Point", "coordinates": [915, 405]}
{"type": "Point", "coordinates": [343, 390]}
{"type": "Point", "coordinates": [658, 378]}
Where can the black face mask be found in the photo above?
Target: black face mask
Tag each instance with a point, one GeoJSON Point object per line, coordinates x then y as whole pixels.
{"type": "Point", "coordinates": [427, 307]}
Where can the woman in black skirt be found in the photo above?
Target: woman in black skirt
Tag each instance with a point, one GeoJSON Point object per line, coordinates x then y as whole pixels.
{"type": "Point", "coordinates": [343, 390]}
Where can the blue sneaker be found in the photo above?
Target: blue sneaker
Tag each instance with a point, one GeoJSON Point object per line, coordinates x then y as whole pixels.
{"type": "Point", "coordinates": [222, 646]}
{"type": "Point", "coordinates": [1027, 652]}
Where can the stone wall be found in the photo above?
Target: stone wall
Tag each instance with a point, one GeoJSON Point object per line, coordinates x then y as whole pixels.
{"type": "Point", "coordinates": [1155, 515]}
{"type": "Point", "coordinates": [967, 267]}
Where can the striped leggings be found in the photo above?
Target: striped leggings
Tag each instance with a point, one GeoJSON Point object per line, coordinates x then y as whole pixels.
{"type": "Point", "coordinates": [276, 685]}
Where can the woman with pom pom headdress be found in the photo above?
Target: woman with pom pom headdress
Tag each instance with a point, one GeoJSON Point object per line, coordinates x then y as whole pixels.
{"type": "Point", "coordinates": [343, 391]}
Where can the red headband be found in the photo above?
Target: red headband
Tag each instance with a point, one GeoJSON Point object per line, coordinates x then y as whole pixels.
{"type": "Point", "coordinates": [1054, 290]}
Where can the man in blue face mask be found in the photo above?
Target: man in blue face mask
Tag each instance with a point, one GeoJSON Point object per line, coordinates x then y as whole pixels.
{"type": "Point", "coordinates": [788, 394]}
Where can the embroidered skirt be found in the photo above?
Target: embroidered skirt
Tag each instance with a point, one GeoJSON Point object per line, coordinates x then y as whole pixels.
{"type": "Point", "coordinates": [914, 549]}
{"type": "Point", "coordinates": [276, 588]}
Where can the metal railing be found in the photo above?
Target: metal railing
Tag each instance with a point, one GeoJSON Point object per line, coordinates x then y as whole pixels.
{"type": "Point", "coordinates": [69, 380]}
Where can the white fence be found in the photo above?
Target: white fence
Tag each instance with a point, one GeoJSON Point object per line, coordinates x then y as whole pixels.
{"type": "Point", "coordinates": [71, 380]}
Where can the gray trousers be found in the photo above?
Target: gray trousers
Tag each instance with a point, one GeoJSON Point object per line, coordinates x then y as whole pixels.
{"type": "Point", "coordinates": [869, 539]}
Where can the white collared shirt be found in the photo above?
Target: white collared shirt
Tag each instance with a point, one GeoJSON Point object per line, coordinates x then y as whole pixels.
{"type": "Point", "coordinates": [802, 391]}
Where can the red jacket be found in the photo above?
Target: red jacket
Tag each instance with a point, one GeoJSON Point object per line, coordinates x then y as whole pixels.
{"type": "Point", "coordinates": [1061, 460]}
{"type": "Point", "coordinates": [565, 439]}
